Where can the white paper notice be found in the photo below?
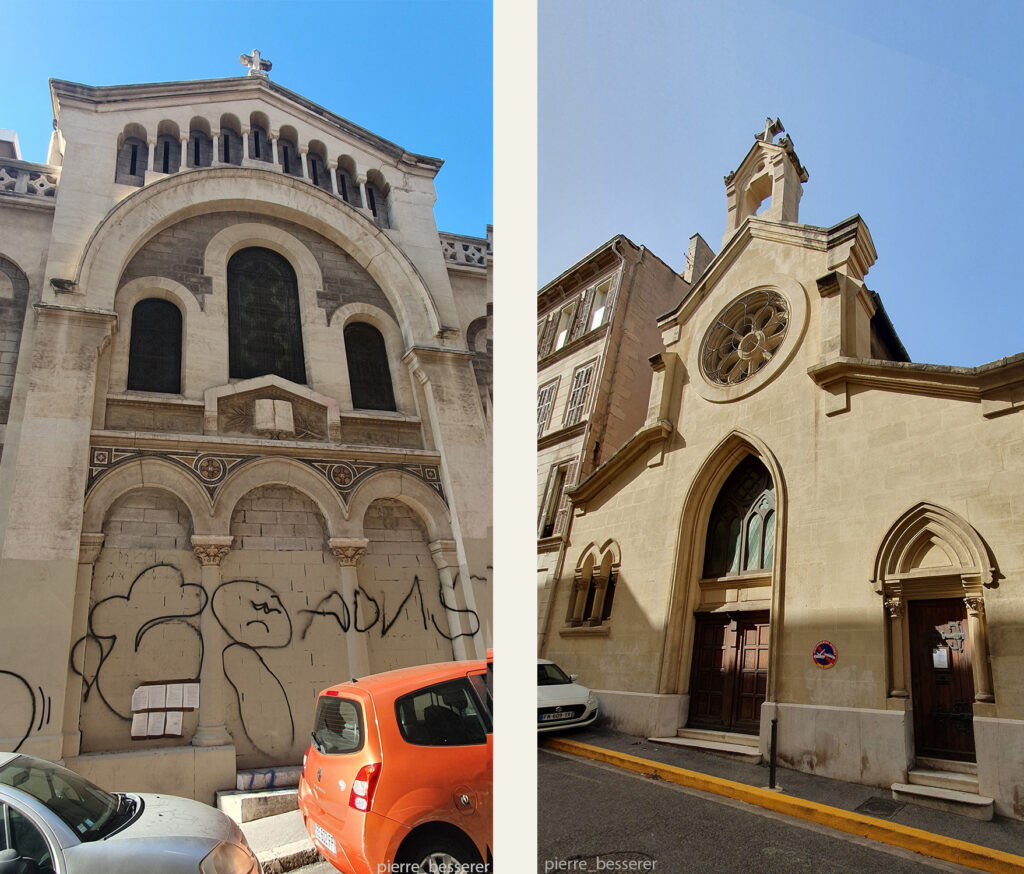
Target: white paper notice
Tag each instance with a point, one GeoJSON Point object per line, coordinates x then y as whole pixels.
{"type": "Point", "coordinates": [140, 698]}
{"type": "Point", "coordinates": [174, 695]}
{"type": "Point", "coordinates": [173, 725]}
{"type": "Point", "coordinates": [157, 695]}
{"type": "Point", "coordinates": [156, 724]}
{"type": "Point", "coordinates": [190, 698]}
{"type": "Point", "coordinates": [140, 725]}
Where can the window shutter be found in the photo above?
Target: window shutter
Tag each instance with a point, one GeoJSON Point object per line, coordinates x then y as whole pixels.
{"type": "Point", "coordinates": [548, 336]}
{"type": "Point", "coordinates": [562, 519]}
{"type": "Point", "coordinates": [583, 317]}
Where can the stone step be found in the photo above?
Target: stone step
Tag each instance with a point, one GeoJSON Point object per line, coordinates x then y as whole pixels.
{"type": "Point", "coordinates": [947, 765]}
{"type": "Point", "coordinates": [247, 806]}
{"type": "Point", "coordinates": [742, 751]}
{"type": "Point", "coordinates": [728, 737]}
{"type": "Point", "coordinates": [963, 803]}
{"type": "Point", "coordinates": [944, 779]}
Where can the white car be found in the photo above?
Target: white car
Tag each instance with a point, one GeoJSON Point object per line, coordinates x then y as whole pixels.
{"type": "Point", "coordinates": [561, 701]}
{"type": "Point", "coordinates": [52, 821]}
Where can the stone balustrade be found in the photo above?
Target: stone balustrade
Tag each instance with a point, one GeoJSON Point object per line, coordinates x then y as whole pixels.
{"type": "Point", "coordinates": [22, 177]}
{"type": "Point", "coordinates": [468, 251]}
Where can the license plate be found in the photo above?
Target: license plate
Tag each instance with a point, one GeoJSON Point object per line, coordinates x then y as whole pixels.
{"type": "Point", "coordinates": [554, 717]}
{"type": "Point", "coordinates": [325, 838]}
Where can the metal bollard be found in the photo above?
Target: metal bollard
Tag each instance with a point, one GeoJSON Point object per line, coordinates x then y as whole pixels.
{"type": "Point", "coordinates": [774, 751]}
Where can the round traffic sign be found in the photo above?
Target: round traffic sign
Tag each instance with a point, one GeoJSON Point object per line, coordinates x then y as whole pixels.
{"type": "Point", "coordinates": [825, 654]}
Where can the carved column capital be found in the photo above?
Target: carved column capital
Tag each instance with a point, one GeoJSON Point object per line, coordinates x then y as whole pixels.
{"type": "Point", "coordinates": [444, 553]}
{"type": "Point", "coordinates": [975, 605]}
{"type": "Point", "coordinates": [894, 606]}
{"type": "Point", "coordinates": [89, 546]}
{"type": "Point", "coordinates": [210, 549]}
{"type": "Point", "coordinates": [348, 550]}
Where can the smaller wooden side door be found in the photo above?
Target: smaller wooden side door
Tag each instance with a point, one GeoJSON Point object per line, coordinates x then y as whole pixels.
{"type": "Point", "coordinates": [942, 684]}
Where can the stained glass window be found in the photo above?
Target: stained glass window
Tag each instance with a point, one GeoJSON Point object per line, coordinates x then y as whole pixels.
{"type": "Point", "coordinates": [154, 352]}
{"type": "Point", "coordinates": [264, 328]}
{"type": "Point", "coordinates": [741, 530]}
{"type": "Point", "coordinates": [368, 372]}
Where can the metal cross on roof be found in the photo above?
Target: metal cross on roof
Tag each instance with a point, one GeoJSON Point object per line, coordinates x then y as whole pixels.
{"type": "Point", "coordinates": [257, 66]}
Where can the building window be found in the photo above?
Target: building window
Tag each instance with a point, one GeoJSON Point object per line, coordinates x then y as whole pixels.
{"type": "Point", "coordinates": [154, 351]}
{"type": "Point", "coordinates": [378, 204]}
{"type": "Point", "coordinates": [369, 375]}
{"type": "Point", "coordinates": [132, 162]}
{"type": "Point", "coordinates": [581, 378]}
{"type": "Point", "coordinates": [545, 398]}
{"type": "Point", "coordinates": [566, 316]}
{"type": "Point", "coordinates": [264, 328]}
{"type": "Point", "coordinates": [601, 304]}
{"type": "Point", "coordinates": [555, 506]}
{"type": "Point", "coordinates": [741, 530]}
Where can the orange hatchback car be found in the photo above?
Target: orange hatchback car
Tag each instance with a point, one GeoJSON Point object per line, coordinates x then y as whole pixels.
{"type": "Point", "coordinates": [398, 777]}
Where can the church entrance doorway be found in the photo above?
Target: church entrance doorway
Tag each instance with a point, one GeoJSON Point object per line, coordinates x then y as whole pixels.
{"type": "Point", "coordinates": [729, 677]}
{"type": "Point", "coordinates": [942, 682]}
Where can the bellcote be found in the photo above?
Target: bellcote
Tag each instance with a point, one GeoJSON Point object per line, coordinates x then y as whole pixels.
{"type": "Point", "coordinates": [770, 172]}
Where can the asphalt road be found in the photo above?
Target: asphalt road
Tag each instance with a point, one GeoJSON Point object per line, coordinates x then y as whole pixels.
{"type": "Point", "coordinates": [593, 817]}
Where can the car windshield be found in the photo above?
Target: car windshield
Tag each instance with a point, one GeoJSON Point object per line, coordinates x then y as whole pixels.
{"type": "Point", "coordinates": [89, 811]}
{"type": "Point", "coordinates": [551, 675]}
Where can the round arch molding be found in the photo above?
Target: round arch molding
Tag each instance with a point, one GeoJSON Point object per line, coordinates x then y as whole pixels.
{"type": "Point", "coordinates": [692, 529]}
{"type": "Point", "coordinates": [932, 552]}
{"type": "Point", "coordinates": [421, 498]}
{"type": "Point", "coordinates": [161, 204]}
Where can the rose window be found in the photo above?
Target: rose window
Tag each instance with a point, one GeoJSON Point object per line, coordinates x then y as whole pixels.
{"type": "Point", "coordinates": [744, 337]}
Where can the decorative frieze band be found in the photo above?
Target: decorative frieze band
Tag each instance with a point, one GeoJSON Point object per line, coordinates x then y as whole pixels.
{"type": "Point", "coordinates": [210, 469]}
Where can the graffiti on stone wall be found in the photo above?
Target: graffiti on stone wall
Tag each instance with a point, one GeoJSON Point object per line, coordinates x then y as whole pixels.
{"type": "Point", "coordinates": [254, 618]}
{"type": "Point", "coordinates": [115, 654]}
{"type": "Point", "coordinates": [333, 605]}
{"type": "Point", "coordinates": [21, 714]}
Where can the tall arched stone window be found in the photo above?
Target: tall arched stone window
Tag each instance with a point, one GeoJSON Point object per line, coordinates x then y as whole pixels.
{"type": "Point", "coordinates": [264, 326]}
{"type": "Point", "coordinates": [368, 372]}
{"type": "Point", "coordinates": [154, 353]}
{"type": "Point", "coordinates": [741, 530]}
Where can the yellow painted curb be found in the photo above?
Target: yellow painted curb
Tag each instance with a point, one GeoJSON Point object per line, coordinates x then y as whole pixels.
{"type": "Point", "coordinates": [925, 843]}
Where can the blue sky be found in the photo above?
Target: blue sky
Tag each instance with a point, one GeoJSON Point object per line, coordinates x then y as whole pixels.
{"type": "Point", "coordinates": [909, 114]}
{"type": "Point", "coordinates": [417, 73]}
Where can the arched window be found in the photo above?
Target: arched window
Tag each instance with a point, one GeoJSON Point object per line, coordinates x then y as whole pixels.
{"type": "Point", "coordinates": [264, 328]}
{"type": "Point", "coordinates": [741, 530]}
{"type": "Point", "coordinates": [154, 352]}
{"type": "Point", "coordinates": [368, 373]}
{"type": "Point", "coordinates": [132, 161]}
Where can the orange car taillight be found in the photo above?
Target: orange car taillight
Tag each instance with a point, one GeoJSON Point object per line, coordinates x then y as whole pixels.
{"type": "Point", "coordinates": [362, 787]}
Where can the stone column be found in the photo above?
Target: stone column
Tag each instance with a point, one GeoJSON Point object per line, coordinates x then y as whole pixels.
{"type": "Point", "coordinates": [894, 607]}
{"type": "Point", "coordinates": [456, 596]}
{"type": "Point", "coordinates": [89, 550]}
{"type": "Point", "coordinates": [577, 600]}
{"type": "Point", "coordinates": [364, 202]}
{"type": "Point", "coordinates": [597, 608]}
{"type": "Point", "coordinates": [152, 156]}
{"type": "Point", "coordinates": [246, 148]}
{"type": "Point", "coordinates": [303, 158]}
{"type": "Point", "coordinates": [183, 163]}
{"type": "Point", "coordinates": [211, 732]}
{"type": "Point", "coordinates": [272, 136]}
{"type": "Point", "coordinates": [218, 156]}
{"type": "Point", "coordinates": [349, 552]}
{"type": "Point", "coordinates": [978, 636]}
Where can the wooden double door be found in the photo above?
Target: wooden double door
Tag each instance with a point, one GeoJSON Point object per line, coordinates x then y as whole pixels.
{"type": "Point", "coordinates": [729, 676]}
{"type": "Point", "coordinates": [942, 682]}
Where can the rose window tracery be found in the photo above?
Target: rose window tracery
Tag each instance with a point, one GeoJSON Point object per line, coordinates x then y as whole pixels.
{"type": "Point", "coordinates": [744, 337]}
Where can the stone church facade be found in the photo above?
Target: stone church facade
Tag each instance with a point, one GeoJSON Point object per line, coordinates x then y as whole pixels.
{"type": "Point", "coordinates": [245, 413]}
{"type": "Point", "coordinates": [808, 527]}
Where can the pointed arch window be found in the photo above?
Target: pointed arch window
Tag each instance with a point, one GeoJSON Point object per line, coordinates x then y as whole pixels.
{"type": "Point", "coordinates": [154, 351]}
{"type": "Point", "coordinates": [368, 372]}
{"type": "Point", "coordinates": [741, 530]}
{"type": "Point", "coordinates": [264, 326]}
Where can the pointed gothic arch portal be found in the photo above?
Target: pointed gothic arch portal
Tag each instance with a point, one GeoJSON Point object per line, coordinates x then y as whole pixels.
{"type": "Point", "coordinates": [731, 645]}
{"type": "Point", "coordinates": [931, 570]}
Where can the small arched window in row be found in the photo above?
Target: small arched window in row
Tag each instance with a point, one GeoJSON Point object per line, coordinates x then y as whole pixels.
{"type": "Point", "coordinates": [741, 530]}
{"type": "Point", "coordinates": [264, 335]}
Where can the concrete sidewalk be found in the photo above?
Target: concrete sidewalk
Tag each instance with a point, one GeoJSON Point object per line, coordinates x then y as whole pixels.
{"type": "Point", "coordinates": [280, 842]}
{"type": "Point", "coordinates": [1001, 834]}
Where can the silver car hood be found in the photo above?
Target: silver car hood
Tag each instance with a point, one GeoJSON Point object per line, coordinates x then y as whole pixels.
{"type": "Point", "coordinates": [169, 815]}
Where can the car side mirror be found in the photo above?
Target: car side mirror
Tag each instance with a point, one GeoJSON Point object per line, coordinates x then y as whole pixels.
{"type": "Point", "coordinates": [573, 678]}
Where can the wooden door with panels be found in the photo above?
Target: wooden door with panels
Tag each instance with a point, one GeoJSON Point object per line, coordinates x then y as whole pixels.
{"type": "Point", "coordinates": [942, 682]}
{"type": "Point", "coordinates": [729, 673]}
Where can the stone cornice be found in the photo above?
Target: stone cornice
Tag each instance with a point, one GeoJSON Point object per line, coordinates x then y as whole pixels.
{"type": "Point", "coordinates": [581, 274]}
{"type": "Point", "coordinates": [623, 457]}
{"type": "Point", "coordinates": [553, 438]}
{"type": "Point", "coordinates": [997, 386]}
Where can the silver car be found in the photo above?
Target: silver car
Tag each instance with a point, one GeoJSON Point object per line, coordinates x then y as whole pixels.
{"type": "Point", "coordinates": [52, 821]}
